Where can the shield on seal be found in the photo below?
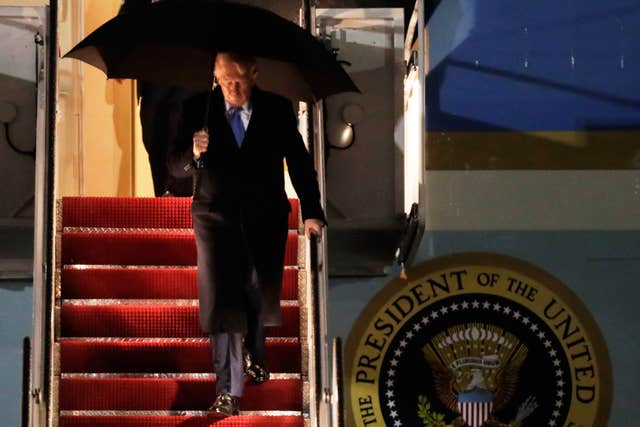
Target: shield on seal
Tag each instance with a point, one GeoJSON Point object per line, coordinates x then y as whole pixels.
{"type": "Point", "coordinates": [475, 407]}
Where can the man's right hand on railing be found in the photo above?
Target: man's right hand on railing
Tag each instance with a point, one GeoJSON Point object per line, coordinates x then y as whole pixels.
{"type": "Point", "coordinates": [313, 227]}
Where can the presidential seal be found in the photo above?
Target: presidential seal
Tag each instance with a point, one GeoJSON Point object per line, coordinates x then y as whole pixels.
{"type": "Point", "coordinates": [475, 340]}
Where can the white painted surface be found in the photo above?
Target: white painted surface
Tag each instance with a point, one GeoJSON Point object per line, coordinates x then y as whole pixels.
{"type": "Point", "coordinates": [18, 27]}
{"type": "Point", "coordinates": [414, 137]}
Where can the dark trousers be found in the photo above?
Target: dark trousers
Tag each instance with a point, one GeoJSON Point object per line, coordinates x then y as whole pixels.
{"type": "Point", "coordinates": [228, 354]}
{"type": "Point", "coordinates": [228, 357]}
{"type": "Point", "coordinates": [227, 362]}
{"type": "Point", "coordinates": [227, 342]}
{"type": "Point", "coordinates": [227, 311]}
{"type": "Point", "coordinates": [254, 341]}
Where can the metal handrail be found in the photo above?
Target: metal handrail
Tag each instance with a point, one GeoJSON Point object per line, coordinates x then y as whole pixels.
{"type": "Point", "coordinates": [320, 393]}
{"type": "Point", "coordinates": [26, 380]}
{"type": "Point", "coordinates": [315, 296]}
{"type": "Point", "coordinates": [44, 211]}
{"type": "Point", "coordinates": [337, 385]}
{"type": "Point", "coordinates": [321, 390]}
{"type": "Point", "coordinates": [409, 239]}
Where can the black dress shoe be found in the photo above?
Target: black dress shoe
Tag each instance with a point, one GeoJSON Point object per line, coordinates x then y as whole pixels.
{"type": "Point", "coordinates": [256, 372]}
{"type": "Point", "coordinates": [225, 404]}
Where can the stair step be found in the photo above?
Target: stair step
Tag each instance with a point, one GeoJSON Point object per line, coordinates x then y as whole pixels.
{"type": "Point", "coordinates": [150, 283]}
{"type": "Point", "coordinates": [151, 321]}
{"type": "Point", "coordinates": [137, 212]}
{"type": "Point", "coordinates": [180, 421]}
{"type": "Point", "coordinates": [164, 375]}
{"type": "Point", "coordinates": [172, 394]}
{"type": "Point", "coordinates": [155, 355]}
{"type": "Point", "coordinates": [171, 248]}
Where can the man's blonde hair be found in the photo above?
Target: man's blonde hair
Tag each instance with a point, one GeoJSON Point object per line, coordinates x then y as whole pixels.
{"type": "Point", "coordinates": [246, 62]}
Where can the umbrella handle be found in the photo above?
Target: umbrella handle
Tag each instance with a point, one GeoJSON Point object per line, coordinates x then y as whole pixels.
{"type": "Point", "coordinates": [205, 127]}
{"type": "Point", "coordinates": [205, 119]}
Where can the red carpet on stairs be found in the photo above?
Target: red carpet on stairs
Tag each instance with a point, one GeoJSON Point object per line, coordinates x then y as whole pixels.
{"type": "Point", "coordinates": [141, 248]}
{"type": "Point", "coordinates": [137, 212]}
{"type": "Point", "coordinates": [131, 394]}
{"type": "Point", "coordinates": [179, 421]}
{"type": "Point", "coordinates": [148, 321]}
{"type": "Point", "coordinates": [164, 355]}
{"type": "Point", "coordinates": [129, 348]}
{"type": "Point", "coordinates": [150, 282]}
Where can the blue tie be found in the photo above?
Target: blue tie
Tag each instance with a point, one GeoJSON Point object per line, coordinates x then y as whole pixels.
{"type": "Point", "coordinates": [235, 120]}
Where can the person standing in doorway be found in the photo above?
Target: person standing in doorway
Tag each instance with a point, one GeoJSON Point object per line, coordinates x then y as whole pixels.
{"type": "Point", "coordinates": [160, 109]}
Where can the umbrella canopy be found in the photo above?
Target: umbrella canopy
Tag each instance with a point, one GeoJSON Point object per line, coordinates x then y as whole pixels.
{"type": "Point", "coordinates": [175, 42]}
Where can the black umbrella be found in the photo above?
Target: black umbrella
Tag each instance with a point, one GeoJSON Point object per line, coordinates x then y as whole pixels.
{"type": "Point", "coordinates": [175, 42]}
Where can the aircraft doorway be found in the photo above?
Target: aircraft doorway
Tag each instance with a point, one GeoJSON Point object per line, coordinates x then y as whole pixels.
{"type": "Point", "coordinates": [364, 140]}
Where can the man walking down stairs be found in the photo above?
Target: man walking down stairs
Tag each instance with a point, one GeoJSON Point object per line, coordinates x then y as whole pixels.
{"type": "Point", "coordinates": [128, 347]}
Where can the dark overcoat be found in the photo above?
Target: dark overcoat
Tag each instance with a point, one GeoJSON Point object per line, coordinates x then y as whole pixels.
{"type": "Point", "coordinates": [240, 206]}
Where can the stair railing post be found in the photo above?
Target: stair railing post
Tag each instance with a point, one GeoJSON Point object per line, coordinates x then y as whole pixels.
{"type": "Point", "coordinates": [324, 410]}
{"type": "Point", "coordinates": [337, 385]}
{"type": "Point", "coordinates": [321, 391]}
{"type": "Point", "coordinates": [40, 347]}
{"type": "Point", "coordinates": [322, 272]}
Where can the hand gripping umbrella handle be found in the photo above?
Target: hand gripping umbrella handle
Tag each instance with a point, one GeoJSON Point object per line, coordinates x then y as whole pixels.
{"type": "Point", "coordinates": [200, 163]}
{"type": "Point", "coordinates": [205, 127]}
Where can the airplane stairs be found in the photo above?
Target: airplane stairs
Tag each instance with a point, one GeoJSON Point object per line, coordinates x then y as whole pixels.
{"type": "Point", "coordinates": [128, 350]}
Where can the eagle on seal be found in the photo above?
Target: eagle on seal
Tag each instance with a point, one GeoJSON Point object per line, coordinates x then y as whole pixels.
{"type": "Point", "coordinates": [475, 369]}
